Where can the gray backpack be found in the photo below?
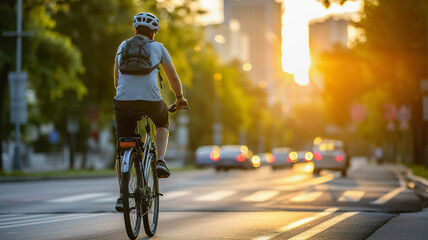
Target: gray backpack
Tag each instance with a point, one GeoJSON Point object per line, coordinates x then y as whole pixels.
{"type": "Point", "coordinates": [135, 56]}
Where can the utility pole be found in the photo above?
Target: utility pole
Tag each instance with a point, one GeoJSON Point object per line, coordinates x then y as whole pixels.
{"type": "Point", "coordinates": [18, 85]}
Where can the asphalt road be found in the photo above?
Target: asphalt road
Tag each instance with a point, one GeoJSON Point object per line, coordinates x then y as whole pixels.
{"type": "Point", "coordinates": [255, 204]}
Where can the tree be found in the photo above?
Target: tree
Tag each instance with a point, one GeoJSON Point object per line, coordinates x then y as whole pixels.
{"type": "Point", "coordinates": [50, 58]}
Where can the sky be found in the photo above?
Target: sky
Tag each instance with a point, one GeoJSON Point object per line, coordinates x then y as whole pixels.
{"type": "Point", "coordinates": [295, 31]}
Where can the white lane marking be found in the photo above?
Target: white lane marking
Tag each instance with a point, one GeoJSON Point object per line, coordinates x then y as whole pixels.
{"type": "Point", "coordinates": [260, 196]}
{"type": "Point", "coordinates": [309, 219]}
{"type": "Point", "coordinates": [299, 223]}
{"type": "Point", "coordinates": [79, 197]}
{"type": "Point", "coordinates": [109, 199]}
{"type": "Point", "coordinates": [351, 196]}
{"type": "Point", "coordinates": [306, 196]}
{"type": "Point", "coordinates": [53, 219]}
{"type": "Point", "coordinates": [323, 226]}
{"type": "Point", "coordinates": [311, 182]}
{"type": "Point", "coordinates": [215, 196]}
{"type": "Point", "coordinates": [18, 217]}
{"type": "Point", "coordinates": [385, 198]}
{"type": "Point", "coordinates": [174, 194]}
{"type": "Point", "coordinates": [293, 179]}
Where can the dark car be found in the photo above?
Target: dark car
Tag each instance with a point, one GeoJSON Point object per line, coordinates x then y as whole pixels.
{"type": "Point", "coordinates": [330, 154]}
{"type": "Point", "coordinates": [234, 156]}
{"type": "Point", "coordinates": [280, 159]}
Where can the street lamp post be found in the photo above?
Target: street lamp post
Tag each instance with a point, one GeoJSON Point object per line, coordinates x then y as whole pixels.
{"type": "Point", "coordinates": [18, 84]}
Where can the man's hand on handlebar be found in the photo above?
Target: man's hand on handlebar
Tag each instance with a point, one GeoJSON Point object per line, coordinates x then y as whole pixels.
{"type": "Point", "coordinates": [173, 107]}
{"type": "Point", "coordinates": [180, 103]}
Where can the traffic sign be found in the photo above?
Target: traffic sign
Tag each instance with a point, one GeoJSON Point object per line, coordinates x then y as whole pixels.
{"type": "Point", "coordinates": [358, 112]}
{"type": "Point", "coordinates": [403, 113]}
{"type": "Point", "coordinates": [18, 98]}
{"type": "Point", "coordinates": [390, 112]}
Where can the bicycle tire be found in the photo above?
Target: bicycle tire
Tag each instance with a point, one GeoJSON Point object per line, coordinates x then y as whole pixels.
{"type": "Point", "coordinates": [131, 181]}
{"type": "Point", "coordinates": [151, 211]}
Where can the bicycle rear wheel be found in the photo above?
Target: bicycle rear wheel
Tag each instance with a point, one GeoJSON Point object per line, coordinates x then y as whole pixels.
{"type": "Point", "coordinates": [131, 189]}
{"type": "Point", "coordinates": [151, 207]}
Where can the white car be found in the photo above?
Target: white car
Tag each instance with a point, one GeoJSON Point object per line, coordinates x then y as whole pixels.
{"type": "Point", "coordinates": [207, 155]}
{"type": "Point", "coordinates": [329, 154]}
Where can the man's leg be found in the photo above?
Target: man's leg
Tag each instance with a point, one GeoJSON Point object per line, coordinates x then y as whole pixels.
{"type": "Point", "coordinates": [162, 134]}
{"type": "Point", "coordinates": [161, 144]}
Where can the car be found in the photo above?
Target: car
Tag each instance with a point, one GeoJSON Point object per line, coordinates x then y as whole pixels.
{"type": "Point", "coordinates": [207, 155]}
{"type": "Point", "coordinates": [280, 158]}
{"type": "Point", "coordinates": [234, 156]}
{"type": "Point", "coordinates": [330, 154]}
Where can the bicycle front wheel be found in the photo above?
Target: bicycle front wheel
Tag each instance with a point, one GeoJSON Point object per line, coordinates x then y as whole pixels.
{"type": "Point", "coordinates": [151, 207]}
{"type": "Point", "coordinates": [132, 194]}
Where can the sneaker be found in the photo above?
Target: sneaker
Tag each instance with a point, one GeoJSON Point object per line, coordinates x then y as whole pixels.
{"type": "Point", "coordinates": [161, 169]}
{"type": "Point", "coordinates": [119, 205]}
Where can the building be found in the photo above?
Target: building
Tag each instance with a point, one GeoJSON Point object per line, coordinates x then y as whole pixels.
{"type": "Point", "coordinates": [251, 33]}
{"type": "Point", "coordinates": [324, 36]}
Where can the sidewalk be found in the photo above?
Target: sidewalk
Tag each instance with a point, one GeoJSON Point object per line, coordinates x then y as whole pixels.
{"type": "Point", "coordinates": [407, 225]}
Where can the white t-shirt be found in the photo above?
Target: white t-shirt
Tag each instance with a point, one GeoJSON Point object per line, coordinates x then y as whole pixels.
{"type": "Point", "coordinates": [142, 87]}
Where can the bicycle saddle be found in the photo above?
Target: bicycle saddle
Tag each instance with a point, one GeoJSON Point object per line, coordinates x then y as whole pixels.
{"type": "Point", "coordinates": [137, 115]}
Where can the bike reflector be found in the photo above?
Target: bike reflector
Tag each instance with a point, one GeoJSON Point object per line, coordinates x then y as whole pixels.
{"type": "Point", "coordinates": [127, 144]}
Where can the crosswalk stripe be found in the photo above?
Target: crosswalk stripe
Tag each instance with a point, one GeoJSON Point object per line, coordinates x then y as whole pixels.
{"type": "Point", "coordinates": [174, 194]}
{"type": "Point", "coordinates": [323, 226]}
{"type": "Point", "coordinates": [37, 219]}
{"type": "Point", "coordinates": [306, 196]}
{"type": "Point", "coordinates": [18, 217]}
{"type": "Point", "coordinates": [260, 196]}
{"type": "Point", "coordinates": [56, 219]}
{"type": "Point", "coordinates": [215, 196]}
{"type": "Point", "coordinates": [351, 196]}
{"type": "Point", "coordinates": [385, 198]}
{"type": "Point", "coordinates": [79, 197]}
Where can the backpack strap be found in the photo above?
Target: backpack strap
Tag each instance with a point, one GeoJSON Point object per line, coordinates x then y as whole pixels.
{"type": "Point", "coordinates": [160, 77]}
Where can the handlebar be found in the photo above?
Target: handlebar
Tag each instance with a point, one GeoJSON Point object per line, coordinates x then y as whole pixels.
{"type": "Point", "coordinates": [172, 108]}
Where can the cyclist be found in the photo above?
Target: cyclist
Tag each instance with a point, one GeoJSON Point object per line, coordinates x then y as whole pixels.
{"type": "Point", "coordinates": [142, 93]}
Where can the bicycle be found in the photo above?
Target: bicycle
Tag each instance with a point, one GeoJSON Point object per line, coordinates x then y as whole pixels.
{"type": "Point", "coordinates": [139, 181]}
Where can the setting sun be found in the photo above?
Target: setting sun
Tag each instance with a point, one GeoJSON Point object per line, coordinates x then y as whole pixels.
{"type": "Point", "coordinates": [295, 32]}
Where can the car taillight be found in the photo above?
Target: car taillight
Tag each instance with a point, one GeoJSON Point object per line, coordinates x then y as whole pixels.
{"type": "Point", "coordinates": [215, 156]}
{"type": "Point", "coordinates": [317, 156]}
{"type": "Point", "coordinates": [269, 158]}
{"type": "Point", "coordinates": [339, 158]}
{"type": "Point", "coordinates": [240, 157]}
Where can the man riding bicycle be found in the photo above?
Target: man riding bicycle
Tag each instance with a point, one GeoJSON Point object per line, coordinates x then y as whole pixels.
{"type": "Point", "coordinates": [140, 92]}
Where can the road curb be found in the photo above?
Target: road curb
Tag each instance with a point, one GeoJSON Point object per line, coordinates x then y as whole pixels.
{"type": "Point", "coordinates": [416, 183]}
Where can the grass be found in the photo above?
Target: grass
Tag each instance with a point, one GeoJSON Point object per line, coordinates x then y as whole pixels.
{"type": "Point", "coordinates": [418, 170]}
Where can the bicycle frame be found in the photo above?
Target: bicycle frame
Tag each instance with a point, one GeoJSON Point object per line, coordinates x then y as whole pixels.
{"type": "Point", "coordinates": [148, 151]}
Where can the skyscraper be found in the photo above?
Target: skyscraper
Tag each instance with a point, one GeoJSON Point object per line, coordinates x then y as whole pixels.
{"type": "Point", "coordinates": [260, 22]}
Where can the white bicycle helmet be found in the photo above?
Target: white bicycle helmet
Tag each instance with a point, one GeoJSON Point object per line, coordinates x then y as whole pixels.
{"type": "Point", "coordinates": [146, 19]}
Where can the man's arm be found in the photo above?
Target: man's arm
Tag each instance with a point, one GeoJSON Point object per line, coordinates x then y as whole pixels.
{"type": "Point", "coordinates": [116, 73]}
{"type": "Point", "coordinates": [175, 83]}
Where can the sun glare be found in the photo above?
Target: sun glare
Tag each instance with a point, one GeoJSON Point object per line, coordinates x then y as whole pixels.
{"type": "Point", "coordinates": [295, 32]}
